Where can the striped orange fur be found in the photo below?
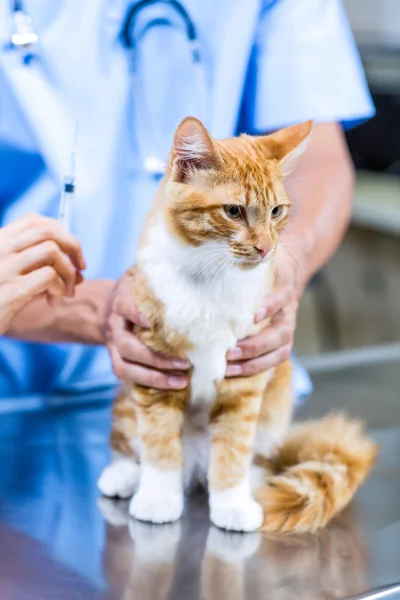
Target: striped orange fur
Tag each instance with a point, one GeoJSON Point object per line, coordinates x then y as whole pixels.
{"type": "Point", "coordinates": [207, 257]}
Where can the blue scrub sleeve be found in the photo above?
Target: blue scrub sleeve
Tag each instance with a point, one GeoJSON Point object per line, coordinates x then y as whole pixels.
{"type": "Point", "coordinates": [305, 65]}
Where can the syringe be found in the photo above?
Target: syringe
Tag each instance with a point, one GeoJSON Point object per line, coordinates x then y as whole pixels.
{"type": "Point", "coordinates": [68, 190]}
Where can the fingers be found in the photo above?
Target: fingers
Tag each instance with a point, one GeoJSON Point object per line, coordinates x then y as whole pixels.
{"type": "Point", "coordinates": [48, 253]}
{"type": "Point", "coordinates": [261, 352]}
{"type": "Point", "coordinates": [275, 302]}
{"type": "Point", "coordinates": [26, 287]}
{"type": "Point", "coordinates": [34, 229]}
{"type": "Point", "coordinates": [145, 376]}
{"type": "Point", "coordinates": [78, 277]}
{"type": "Point", "coordinates": [17, 293]}
{"type": "Point", "coordinates": [268, 340]}
{"type": "Point", "coordinates": [260, 364]}
{"type": "Point", "coordinates": [131, 349]}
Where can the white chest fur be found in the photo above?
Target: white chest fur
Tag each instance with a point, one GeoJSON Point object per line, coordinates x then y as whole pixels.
{"type": "Point", "coordinates": [207, 299]}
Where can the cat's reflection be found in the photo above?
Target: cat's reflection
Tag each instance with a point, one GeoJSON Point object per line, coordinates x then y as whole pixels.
{"type": "Point", "coordinates": [145, 569]}
{"type": "Point", "coordinates": [223, 573]}
{"type": "Point", "coordinates": [330, 564]}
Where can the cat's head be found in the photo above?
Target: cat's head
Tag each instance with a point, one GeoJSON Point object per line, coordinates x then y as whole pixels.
{"type": "Point", "coordinates": [229, 193]}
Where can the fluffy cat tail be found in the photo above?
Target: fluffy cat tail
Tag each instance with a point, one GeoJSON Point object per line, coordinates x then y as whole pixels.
{"type": "Point", "coordinates": [317, 471]}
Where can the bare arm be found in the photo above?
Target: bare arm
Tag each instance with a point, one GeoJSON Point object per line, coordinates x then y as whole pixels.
{"type": "Point", "coordinates": [321, 188]}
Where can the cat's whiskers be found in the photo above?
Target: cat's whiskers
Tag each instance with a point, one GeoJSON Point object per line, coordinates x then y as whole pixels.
{"type": "Point", "coordinates": [199, 258]}
{"type": "Point", "coordinates": [209, 258]}
{"type": "Point", "coordinates": [202, 251]}
{"type": "Point", "coordinates": [215, 259]}
{"type": "Point", "coordinates": [214, 262]}
{"type": "Point", "coordinates": [212, 276]}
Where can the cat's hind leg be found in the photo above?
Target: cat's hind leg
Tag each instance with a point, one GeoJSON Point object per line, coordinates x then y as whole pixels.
{"type": "Point", "coordinates": [275, 413]}
{"type": "Point", "coordinates": [273, 423]}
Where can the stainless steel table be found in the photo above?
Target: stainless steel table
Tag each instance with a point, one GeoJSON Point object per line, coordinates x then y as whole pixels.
{"type": "Point", "coordinates": [60, 541]}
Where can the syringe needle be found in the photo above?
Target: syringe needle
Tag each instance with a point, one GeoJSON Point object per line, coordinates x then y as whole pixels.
{"type": "Point", "coordinates": [73, 151]}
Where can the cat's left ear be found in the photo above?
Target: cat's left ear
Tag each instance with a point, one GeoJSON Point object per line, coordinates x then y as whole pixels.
{"type": "Point", "coordinates": [287, 144]}
{"type": "Point", "coordinates": [192, 150]}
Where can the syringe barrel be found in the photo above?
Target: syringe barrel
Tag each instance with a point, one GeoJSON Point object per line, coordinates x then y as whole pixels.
{"type": "Point", "coordinates": [65, 210]}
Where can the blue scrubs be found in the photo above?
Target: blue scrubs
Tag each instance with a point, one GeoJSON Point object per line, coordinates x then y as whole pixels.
{"type": "Point", "coordinates": [267, 64]}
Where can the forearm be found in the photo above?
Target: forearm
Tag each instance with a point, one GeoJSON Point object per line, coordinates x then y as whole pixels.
{"type": "Point", "coordinates": [79, 319]}
{"type": "Point", "coordinates": [321, 189]}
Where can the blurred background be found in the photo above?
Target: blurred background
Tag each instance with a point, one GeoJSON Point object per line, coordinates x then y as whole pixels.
{"type": "Point", "coordinates": [353, 305]}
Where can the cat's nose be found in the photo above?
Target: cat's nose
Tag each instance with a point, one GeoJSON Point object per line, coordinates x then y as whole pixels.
{"type": "Point", "coordinates": [262, 249]}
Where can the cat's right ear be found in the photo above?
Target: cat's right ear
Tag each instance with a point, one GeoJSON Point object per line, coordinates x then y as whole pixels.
{"type": "Point", "coordinates": [192, 150]}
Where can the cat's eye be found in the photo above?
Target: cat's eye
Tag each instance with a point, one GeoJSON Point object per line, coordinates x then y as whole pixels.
{"type": "Point", "coordinates": [234, 211]}
{"type": "Point", "coordinates": [277, 211]}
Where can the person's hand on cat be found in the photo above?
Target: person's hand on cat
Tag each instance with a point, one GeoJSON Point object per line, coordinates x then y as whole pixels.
{"type": "Point", "coordinates": [131, 359]}
{"type": "Point", "coordinates": [36, 256]}
{"type": "Point", "coordinates": [273, 344]}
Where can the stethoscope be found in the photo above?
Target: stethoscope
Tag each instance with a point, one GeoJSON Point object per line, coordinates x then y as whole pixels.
{"type": "Point", "coordinates": [153, 163]}
{"type": "Point", "coordinates": [25, 40]}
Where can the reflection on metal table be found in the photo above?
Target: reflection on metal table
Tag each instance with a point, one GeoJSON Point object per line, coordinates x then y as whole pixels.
{"type": "Point", "coordinates": [60, 541]}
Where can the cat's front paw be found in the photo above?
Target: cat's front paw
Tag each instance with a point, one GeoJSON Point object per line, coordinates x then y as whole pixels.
{"type": "Point", "coordinates": [243, 515]}
{"type": "Point", "coordinates": [165, 508]}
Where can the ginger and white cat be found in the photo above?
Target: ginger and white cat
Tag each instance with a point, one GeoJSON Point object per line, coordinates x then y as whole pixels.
{"type": "Point", "coordinates": [205, 263]}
